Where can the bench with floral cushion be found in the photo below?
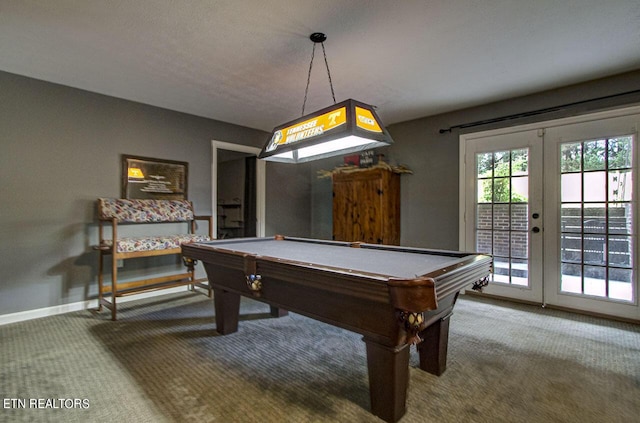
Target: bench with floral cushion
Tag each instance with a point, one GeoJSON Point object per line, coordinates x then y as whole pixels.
{"type": "Point", "coordinates": [117, 212]}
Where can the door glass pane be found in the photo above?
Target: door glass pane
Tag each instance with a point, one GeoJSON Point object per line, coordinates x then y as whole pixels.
{"type": "Point", "coordinates": [594, 157]}
{"type": "Point", "coordinates": [571, 248]}
{"type": "Point", "coordinates": [620, 284]}
{"type": "Point", "coordinates": [571, 278]}
{"type": "Point", "coordinates": [501, 243]}
{"type": "Point", "coordinates": [620, 184]}
{"type": "Point", "coordinates": [594, 186]}
{"type": "Point", "coordinates": [571, 157]}
{"type": "Point", "coordinates": [484, 164]}
{"type": "Point", "coordinates": [485, 190]}
{"type": "Point", "coordinates": [620, 251]}
{"type": "Point", "coordinates": [520, 272]}
{"type": "Point", "coordinates": [571, 218]}
{"type": "Point", "coordinates": [620, 218]}
{"type": "Point", "coordinates": [484, 242]}
{"type": "Point", "coordinates": [619, 150]}
{"type": "Point", "coordinates": [501, 217]}
{"type": "Point", "coordinates": [483, 218]}
{"type": "Point", "coordinates": [520, 189]}
{"type": "Point", "coordinates": [520, 217]}
{"type": "Point", "coordinates": [501, 270]}
{"type": "Point", "coordinates": [501, 190]}
{"type": "Point", "coordinates": [501, 163]}
{"type": "Point", "coordinates": [502, 222]}
{"type": "Point", "coordinates": [520, 162]}
{"type": "Point", "coordinates": [596, 214]}
{"type": "Point", "coordinates": [571, 187]}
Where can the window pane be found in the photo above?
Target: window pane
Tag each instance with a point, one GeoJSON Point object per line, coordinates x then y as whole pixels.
{"type": "Point", "coordinates": [570, 157]}
{"type": "Point", "coordinates": [571, 278]}
{"type": "Point", "coordinates": [501, 190]}
{"type": "Point", "coordinates": [594, 281]}
{"type": "Point", "coordinates": [520, 162]}
{"type": "Point", "coordinates": [520, 272]}
{"type": "Point", "coordinates": [571, 248]}
{"type": "Point", "coordinates": [519, 217]}
{"type": "Point", "coordinates": [620, 251]}
{"type": "Point", "coordinates": [571, 187]}
{"type": "Point", "coordinates": [484, 219]}
{"type": "Point", "coordinates": [519, 244]}
{"type": "Point", "coordinates": [485, 190]}
{"type": "Point", "coordinates": [593, 152]}
{"type": "Point", "coordinates": [501, 243]}
{"type": "Point", "coordinates": [595, 219]}
{"type": "Point", "coordinates": [620, 150]}
{"type": "Point", "coordinates": [594, 186]}
{"type": "Point", "coordinates": [571, 218]}
{"type": "Point", "coordinates": [520, 189]}
{"type": "Point", "coordinates": [620, 218]}
{"type": "Point", "coordinates": [485, 165]}
{"type": "Point", "coordinates": [620, 284]}
{"type": "Point", "coordinates": [501, 163]}
{"type": "Point", "coordinates": [501, 216]}
{"type": "Point", "coordinates": [484, 242]}
{"type": "Point", "coordinates": [501, 269]}
{"type": "Point", "coordinates": [594, 249]}
{"type": "Point", "coordinates": [620, 185]}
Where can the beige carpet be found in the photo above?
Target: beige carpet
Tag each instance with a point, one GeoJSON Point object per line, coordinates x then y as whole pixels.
{"type": "Point", "coordinates": [162, 362]}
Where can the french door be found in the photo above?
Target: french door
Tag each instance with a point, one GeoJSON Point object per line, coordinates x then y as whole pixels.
{"type": "Point", "coordinates": [592, 212]}
{"type": "Point", "coordinates": [555, 205]}
{"type": "Point", "coordinates": [504, 210]}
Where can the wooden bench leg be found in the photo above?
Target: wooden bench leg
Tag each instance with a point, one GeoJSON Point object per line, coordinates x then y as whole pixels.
{"type": "Point", "coordinates": [100, 280]}
{"type": "Point", "coordinates": [114, 286]}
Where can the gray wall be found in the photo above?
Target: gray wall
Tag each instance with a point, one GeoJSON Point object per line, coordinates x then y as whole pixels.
{"type": "Point", "coordinates": [60, 149]}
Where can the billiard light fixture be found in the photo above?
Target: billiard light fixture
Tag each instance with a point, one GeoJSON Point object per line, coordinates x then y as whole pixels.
{"type": "Point", "coordinates": [344, 128]}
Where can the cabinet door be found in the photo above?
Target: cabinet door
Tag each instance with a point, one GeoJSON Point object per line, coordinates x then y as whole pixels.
{"type": "Point", "coordinates": [358, 207]}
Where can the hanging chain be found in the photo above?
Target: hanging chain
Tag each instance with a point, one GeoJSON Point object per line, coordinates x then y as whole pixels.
{"type": "Point", "coordinates": [329, 74]}
{"type": "Point", "coordinates": [306, 90]}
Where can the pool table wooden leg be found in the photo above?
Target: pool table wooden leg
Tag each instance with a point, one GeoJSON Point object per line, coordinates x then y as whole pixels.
{"type": "Point", "coordinates": [433, 348]}
{"type": "Point", "coordinates": [388, 379]}
{"type": "Point", "coordinates": [227, 308]}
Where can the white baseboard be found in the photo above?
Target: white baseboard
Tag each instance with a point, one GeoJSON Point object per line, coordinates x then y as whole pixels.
{"type": "Point", "coordinates": [81, 305]}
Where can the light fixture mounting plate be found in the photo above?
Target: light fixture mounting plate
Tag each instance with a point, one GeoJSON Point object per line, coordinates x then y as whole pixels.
{"type": "Point", "coordinates": [318, 37]}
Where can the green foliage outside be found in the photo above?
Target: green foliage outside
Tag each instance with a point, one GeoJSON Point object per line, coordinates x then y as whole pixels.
{"type": "Point", "coordinates": [498, 168]}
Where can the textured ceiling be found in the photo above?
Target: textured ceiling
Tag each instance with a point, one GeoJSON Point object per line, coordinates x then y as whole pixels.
{"type": "Point", "coordinates": [246, 61]}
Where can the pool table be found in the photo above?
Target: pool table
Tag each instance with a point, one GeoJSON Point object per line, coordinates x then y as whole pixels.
{"type": "Point", "coordinates": [394, 296]}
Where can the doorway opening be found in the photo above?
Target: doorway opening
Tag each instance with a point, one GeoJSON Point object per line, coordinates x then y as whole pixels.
{"type": "Point", "coordinates": [238, 190]}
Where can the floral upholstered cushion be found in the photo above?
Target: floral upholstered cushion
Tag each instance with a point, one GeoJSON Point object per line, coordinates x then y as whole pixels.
{"type": "Point", "coordinates": [145, 211]}
{"type": "Point", "coordinates": [151, 243]}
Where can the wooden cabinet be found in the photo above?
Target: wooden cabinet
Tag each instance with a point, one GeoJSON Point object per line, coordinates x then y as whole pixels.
{"type": "Point", "coordinates": [366, 206]}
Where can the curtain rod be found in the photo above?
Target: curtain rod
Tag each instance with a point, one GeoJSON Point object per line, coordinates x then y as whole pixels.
{"type": "Point", "coordinates": [534, 112]}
